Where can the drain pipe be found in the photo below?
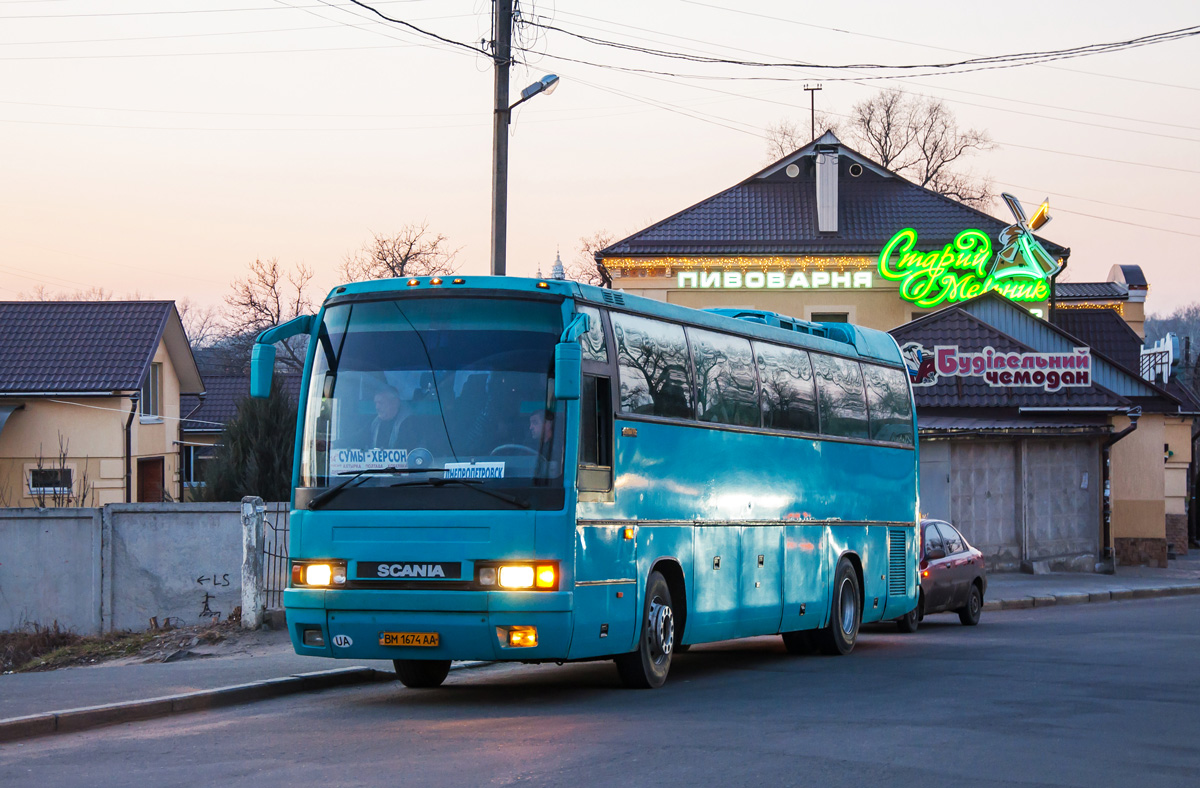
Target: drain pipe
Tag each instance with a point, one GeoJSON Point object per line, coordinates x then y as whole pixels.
{"type": "Point", "coordinates": [133, 404]}
{"type": "Point", "coordinates": [1105, 461]}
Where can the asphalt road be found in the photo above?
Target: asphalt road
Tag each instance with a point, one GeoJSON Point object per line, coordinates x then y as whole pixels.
{"type": "Point", "coordinates": [1089, 695]}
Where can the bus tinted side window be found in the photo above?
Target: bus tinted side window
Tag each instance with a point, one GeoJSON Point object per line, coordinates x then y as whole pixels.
{"type": "Point", "coordinates": [726, 392]}
{"type": "Point", "coordinates": [592, 343]}
{"type": "Point", "coordinates": [840, 390]}
{"type": "Point", "coordinates": [789, 397]}
{"type": "Point", "coordinates": [655, 373]}
{"type": "Point", "coordinates": [891, 408]}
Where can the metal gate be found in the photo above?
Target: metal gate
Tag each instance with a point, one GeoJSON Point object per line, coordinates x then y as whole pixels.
{"type": "Point", "coordinates": [275, 552]}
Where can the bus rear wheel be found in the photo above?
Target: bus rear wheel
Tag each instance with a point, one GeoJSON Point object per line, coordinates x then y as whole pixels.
{"type": "Point", "coordinates": [845, 613]}
{"type": "Point", "coordinates": [647, 667]}
{"type": "Point", "coordinates": [421, 673]}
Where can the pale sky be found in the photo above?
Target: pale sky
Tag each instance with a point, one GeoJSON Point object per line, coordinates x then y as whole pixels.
{"type": "Point", "coordinates": [159, 147]}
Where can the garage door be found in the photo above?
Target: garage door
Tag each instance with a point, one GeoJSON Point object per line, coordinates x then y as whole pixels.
{"type": "Point", "coordinates": [984, 499]}
{"type": "Point", "coordinates": [1062, 479]}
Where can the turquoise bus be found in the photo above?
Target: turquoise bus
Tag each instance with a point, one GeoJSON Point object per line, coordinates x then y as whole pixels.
{"type": "Point", "coordinates": [496, 468]}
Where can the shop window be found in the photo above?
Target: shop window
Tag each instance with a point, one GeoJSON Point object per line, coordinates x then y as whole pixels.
{"type": "Point", "coordinates": [50, 481]}
{"type": "Point", "coordinates": [726, 391]}
{"type": "Point", "coordinates": [152, 393]}
{"type": "Point", "coordinates": [891, 408]}
{"type": "Point", "coordinates": [654, 369]}
{"type": "Point", "coordinates": [831, 317]}
{"type": "Point", "coordinates": [592, 343]}
{"type": "Point", "coordinates": [840, 392]}
{"type": "Point", "coordinates": [789, 396]}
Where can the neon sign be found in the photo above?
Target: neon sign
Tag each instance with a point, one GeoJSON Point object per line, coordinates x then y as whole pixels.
{"type": "Point", "coordinates": [966, 268]}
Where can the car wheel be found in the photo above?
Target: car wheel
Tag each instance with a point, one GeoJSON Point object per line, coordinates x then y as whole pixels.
{"type": "Point", "coordinates": [845, 614]}
{"type": "Point", "coordinates": [647, 667]}
{"type": "Point", "coordinates": [969, 613]}
{"type": "Point", "coordinates": [421, 673]}
{"type": "Point", "coordinates": [909, 623]}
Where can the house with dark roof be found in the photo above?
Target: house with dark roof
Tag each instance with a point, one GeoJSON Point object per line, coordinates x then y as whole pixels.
{"type": "Point", "coordinates": [90, 401]}
{"type": "Point", "coordinates": [1042, 442]}
{"type": "Point", "coordinates": [810, 236]}
{"type": "Point", "coordinates": [207, 416]}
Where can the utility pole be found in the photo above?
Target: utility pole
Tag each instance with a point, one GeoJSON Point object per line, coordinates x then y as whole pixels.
{"type": "Point", "coordinates": [812, 107]}
{"type": "Point", "coordinates": [502, 18]}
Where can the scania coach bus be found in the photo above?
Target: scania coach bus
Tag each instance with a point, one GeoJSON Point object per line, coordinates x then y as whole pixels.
{"type": "Point", "coordinates": [495, 468]}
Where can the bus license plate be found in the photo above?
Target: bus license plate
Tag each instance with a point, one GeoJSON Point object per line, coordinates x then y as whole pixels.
{"type": "Point", "coordinates": [429, 639]}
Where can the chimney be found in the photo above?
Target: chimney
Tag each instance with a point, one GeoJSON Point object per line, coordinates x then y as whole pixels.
{"type": "Point", "coordinates": [827, 188]}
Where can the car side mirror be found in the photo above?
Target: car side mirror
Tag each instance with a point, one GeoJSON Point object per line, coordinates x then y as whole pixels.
{"type": "Point", "coordinates": [935, 554]}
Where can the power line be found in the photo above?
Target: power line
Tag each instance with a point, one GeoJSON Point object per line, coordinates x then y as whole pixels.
{"type": "Point", "coordinates": [426, 33]}
{"type": "Point", "coordinates": [1098, 202]}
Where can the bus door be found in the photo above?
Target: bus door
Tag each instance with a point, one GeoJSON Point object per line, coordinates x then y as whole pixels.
{"type": "Point", "coordinates": [761, 602]}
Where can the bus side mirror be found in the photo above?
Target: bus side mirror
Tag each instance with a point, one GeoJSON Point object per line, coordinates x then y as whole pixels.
{"type": "Point", "coordinates": [262, 369]}
{"type": "Point", "coordinates": [568, 360]}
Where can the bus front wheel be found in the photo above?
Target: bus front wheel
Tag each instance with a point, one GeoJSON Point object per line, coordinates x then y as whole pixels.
{"type": "Point", "coordinates": [845, 613]}
{"type": "Point", "coordinates": [421, 673]}
{"type": "Point", "coordinates": [647, 667]}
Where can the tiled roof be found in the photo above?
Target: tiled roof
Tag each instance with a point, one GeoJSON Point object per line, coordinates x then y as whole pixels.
{"type": "Point", "coordinates": [772, 214]}
{"type": "Point", "coordinates": [954, 326]}
{"type": "Point", "coordinates": [1105, 331]}
{"type": "Point", "coordinates": [223, 395]}
{"type": "Point", "coordinates": [1005, 421]}
{"type": "Point", "coordinates": [1067, 291]}
{"type": "Point", "coordinates": [67, 346]}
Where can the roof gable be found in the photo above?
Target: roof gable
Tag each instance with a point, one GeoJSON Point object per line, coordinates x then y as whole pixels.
{"type": "Point", "coordinates": [1104, 330]}
{"type": "Point", "coordinates": [775, 213]}
{"type": "Point", "coordinates": [89, 346]}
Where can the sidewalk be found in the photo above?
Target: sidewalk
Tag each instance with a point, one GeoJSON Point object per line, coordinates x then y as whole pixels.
{"type": "Point", "coordinates": [268, 655]}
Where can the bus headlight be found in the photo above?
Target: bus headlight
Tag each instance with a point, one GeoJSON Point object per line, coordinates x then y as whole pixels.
{"type": "Point", "coordinates": [319, 574]}
{"type": "Point", "coordinates": [542, 576]}
{"type": "Point", "coordinates": [516, 576]}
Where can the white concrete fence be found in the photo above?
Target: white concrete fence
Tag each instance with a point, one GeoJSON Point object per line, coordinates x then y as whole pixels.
{"type": "Point", "coordinates": [129, 566]}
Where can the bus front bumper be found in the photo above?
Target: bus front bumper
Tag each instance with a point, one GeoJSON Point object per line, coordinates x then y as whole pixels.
{"type": "Point", "coordinates": [468, 624]}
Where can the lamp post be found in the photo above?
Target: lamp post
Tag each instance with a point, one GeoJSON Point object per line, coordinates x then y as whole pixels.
{"type": "Point", "coordinates": [503, 111]}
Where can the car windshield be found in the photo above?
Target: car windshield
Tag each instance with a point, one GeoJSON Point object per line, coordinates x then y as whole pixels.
{"type": "Point", "coordinates": [431, 389]}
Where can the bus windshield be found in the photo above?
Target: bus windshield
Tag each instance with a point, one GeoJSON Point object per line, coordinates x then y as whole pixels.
{"type": "Point", "coordinates": [430, 397]}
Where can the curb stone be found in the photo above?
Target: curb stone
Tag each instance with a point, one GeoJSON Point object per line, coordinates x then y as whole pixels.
{"type": "Point", "coordinates": [82, 719]}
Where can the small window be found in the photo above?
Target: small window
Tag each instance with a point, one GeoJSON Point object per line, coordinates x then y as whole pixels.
{"type": "Point", "coordinates": [592, 343]}
{"type": "Point", "coordinates": [891, 408]}
{"type": "Point", "coordinates": [193, 461]}
{"type": "Point", "coordinates": [951, 538]}
{"type": "Point", "coordinates": [50, 481]}
{"type": "Point", "coordinates": [789, 396]}
{"type": "Point", "coordinates": [655, 372]}
{"type": "Point", "coordinates": [933, 539]}
{"type": "Point", "coordinates": [831, 317]}
{"type": "Point", "coordinates": [595, 435]}
{"type": "Point", "coordinates": [726, 391]}
{"type": "Point", "coordinates": [840, 390]}
{"type": "Point", "coordinates": [152, 392]}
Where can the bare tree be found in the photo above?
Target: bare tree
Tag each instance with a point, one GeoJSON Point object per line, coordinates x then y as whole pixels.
{"type": "Point", "coordinates": [583, 267]}
{"type": "Point", "coordinates": [265, 297]}
{"type": "Point", "coordinates": [93, 293]}
{"type": "Point", "coordinates": [413, 251]}
{"type": "Point", "coordinates": [202, 324]}
{"type": "Point", "coordinates": [915, 136]}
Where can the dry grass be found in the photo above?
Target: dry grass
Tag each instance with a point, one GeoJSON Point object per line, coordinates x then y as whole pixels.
{"type": "Point", "coordinates": [38, 647]}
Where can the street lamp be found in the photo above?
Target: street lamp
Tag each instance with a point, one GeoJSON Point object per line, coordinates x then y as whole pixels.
{"type": "Point", "coordinates": [546, 85]}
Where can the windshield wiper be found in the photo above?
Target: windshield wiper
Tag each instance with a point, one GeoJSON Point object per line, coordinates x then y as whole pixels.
{"type": "Point", "coordinates": [473, 484]}
{"type": "Point", "coordinates": [353, 477]}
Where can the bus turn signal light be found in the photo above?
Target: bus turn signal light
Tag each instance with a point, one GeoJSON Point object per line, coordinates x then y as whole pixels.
{"type": "Point", "coordinates": [546, 577]}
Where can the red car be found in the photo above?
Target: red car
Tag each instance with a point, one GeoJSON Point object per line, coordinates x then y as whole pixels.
{"type": "Point", "coordinates": [953, 577]}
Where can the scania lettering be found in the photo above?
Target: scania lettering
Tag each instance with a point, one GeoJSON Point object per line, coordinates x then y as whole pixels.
{"type": "Point", "coordinates": [494, 468]}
